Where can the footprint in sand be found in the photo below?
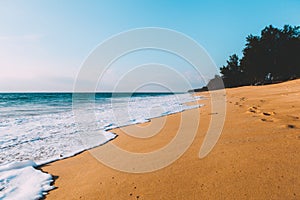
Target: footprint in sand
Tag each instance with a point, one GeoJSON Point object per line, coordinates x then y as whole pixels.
{"type": "Point", "coordinates": [253, 109]}
{"type": "Point", "coordinates": [291, 126]}
{"type": "Point", "coordinates": [292, 136]}
{"type": "Point", "coordinates": [240, 102]}
{"type": "Point", "coordinates": [266, 120]}
{"type": "Point", "coordinates": [268, 113]}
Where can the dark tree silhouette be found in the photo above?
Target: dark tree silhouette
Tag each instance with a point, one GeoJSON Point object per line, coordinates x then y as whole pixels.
{"type": "Point", "coordinates": [232, 72]}
{"type": "Point", "coordinates": [272, 56]}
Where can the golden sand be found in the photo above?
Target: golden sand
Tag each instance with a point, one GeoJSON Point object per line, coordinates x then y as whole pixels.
{"type": "Point", "coordinates": [256, 157]}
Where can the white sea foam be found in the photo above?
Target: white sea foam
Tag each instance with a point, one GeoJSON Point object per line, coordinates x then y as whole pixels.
{"type": "Point", "coordinates": [20, 180]}
{"type": "Point", "coordinates": [45, 131]}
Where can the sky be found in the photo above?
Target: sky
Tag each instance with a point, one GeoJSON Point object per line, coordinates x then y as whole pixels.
{"type": "Point", "coordinates": [43, 44]}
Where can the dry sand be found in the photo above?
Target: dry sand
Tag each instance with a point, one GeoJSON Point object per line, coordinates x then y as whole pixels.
{"type": "Point", "coordinates": [256, 157]}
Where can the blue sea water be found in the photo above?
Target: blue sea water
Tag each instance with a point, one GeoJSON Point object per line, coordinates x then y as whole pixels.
{"type": "Point", "coordinates": [37, 128]}
{"type": "Point", "coordinates": [42, 126]}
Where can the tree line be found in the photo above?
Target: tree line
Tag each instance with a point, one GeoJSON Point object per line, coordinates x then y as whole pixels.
{"type": "Point", "coordinates": [274, 56]}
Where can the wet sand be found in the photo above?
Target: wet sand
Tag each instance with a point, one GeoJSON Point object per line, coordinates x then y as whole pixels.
{"type": "Point", "coordinates": [256, 157]}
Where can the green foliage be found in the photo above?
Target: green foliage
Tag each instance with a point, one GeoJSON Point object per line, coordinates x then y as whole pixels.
{"type": "Point", "coordinates": [274, 55]}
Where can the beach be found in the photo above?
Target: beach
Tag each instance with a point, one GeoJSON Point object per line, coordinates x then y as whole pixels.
{"type": "Point", "coordinates": [256, 157]}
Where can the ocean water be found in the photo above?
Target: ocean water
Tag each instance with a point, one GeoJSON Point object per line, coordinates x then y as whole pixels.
{"type": "Point", "coordinates": [38, 128]}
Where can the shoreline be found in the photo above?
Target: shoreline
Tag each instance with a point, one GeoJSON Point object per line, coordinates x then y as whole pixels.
{"type": "Point", "coordinates": [109, 130]}
{"type": "Point", "coordinates": [257, 155]}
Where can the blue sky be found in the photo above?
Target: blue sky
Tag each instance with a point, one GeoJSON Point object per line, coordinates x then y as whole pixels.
{"type": "Point", "coordinates": [43, 43]}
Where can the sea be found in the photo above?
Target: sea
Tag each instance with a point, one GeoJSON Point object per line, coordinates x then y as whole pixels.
{"type": "Point", "coordinates": [38, 128]}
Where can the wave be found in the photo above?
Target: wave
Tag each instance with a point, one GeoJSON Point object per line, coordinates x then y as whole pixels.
{"type": "Point", "coordinates": [44, 131]}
